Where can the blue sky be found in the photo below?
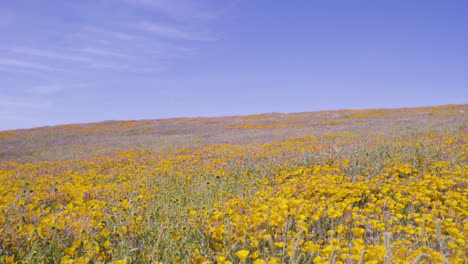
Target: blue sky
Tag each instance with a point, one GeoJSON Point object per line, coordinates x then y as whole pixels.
{"type": "Point", "coordinates": [64, 61]}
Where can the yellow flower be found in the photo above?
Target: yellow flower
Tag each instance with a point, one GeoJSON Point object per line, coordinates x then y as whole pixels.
{"type": "Point", "coordinates": [10, 259]}
{"type": "Point", "coordinates": [242, 254]}
{"type": "Point", "coordinates": [318, 259]}
{"type": "Point", "coordinates": [274, 260]}
{"type": "Point", "coordinates": [71, 251]}
{"type": "Point", "coordinates": [259, 261]}
{"type": "Point", "coordinates": [358, 232]}
{"type": "Point", "coordinates": [278, 244]}
{"type": "Point", "coordinates": [106, 244]}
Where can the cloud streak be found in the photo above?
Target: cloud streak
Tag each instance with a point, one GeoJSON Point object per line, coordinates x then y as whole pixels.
{"type": "Point", "coordinates": [27, 65]}
{"type": "Point", "coordinates": [47, 89]}
{"type": "Point", "coordinates": [172, 32]}
{"type": "Point", "coordinates": [180, 9]}
{"type": "Point", "coordinates": [115, 34]}
{"type": "Point", "coordinates": [49, 54]}
{"type": "Point", "coordinates": [107, 46]}
{"type": "Point", "coordinates": [103, 52]}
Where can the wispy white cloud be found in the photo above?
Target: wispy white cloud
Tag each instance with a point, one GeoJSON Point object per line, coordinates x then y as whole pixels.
{"type": "Point", "coordinates": [121, 35]}
{"type": "Point", "coordinates": [150, 69]}
{"type": "Point", "coordinates": [47, 89]}
{"type": "Point", "coordinates": [102, 52]}
{"type": "Point", "coordinates": [109, 66]}
{"type": "Point", "coordinates": [7, 68]}
{"type": "Point", "coordinates": [182, 9]}
{"type": "Point", "coordinates": [172, 32]}
{"type": "Point", "coordinates": [27, 65]}
{"type": "Point", "coordinates": [50, 54]}
{"type": "Point", "coordinates": [41, 74]}
{"type": "Point", "coordinates": [90, 57]}
{"type": "Point", "coordinates": [108, 33]}
{"type": "Point", "coordinates": [164, 30]}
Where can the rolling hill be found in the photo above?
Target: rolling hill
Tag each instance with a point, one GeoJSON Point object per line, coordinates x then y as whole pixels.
{"type": "Point", "coordinates": [346, 186]}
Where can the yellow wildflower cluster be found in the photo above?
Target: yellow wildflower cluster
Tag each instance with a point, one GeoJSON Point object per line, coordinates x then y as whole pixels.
{"type": "Point", "coordinates": [279, 189]}
{"type": "Point", "coordinates": [317, 214]}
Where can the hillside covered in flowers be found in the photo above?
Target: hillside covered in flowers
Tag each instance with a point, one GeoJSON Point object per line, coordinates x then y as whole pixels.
{"type": "Point", "coordinates": [348, 186]}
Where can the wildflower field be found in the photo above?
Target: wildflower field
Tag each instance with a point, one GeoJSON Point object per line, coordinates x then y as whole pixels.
{"type": "Point", "coordinates": [348, 186]}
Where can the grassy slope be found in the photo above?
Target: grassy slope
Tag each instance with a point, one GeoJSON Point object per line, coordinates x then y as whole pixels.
{"type": "Point", "coordinates": [152, 190]}
{"type": "Point", "coordinates": [90, 140]}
